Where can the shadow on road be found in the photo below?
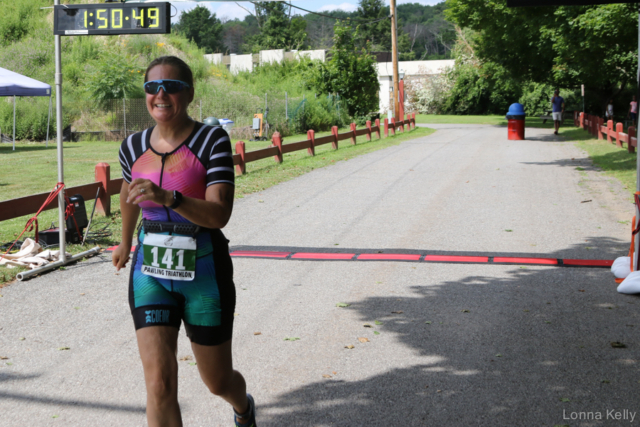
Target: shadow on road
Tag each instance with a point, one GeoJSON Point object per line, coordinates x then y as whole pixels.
{"type": "Point", "coordinates": [45, 400]}
{"type": "Point", "coordinates": [526, 347]}
{"type": "Point", "coordinates": [9, 377]}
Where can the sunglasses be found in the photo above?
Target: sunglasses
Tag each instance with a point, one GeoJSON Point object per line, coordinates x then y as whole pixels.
{"type": "Point", "coordinates": [169, 86]}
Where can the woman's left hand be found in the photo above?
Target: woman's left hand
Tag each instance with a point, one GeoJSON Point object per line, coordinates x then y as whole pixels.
{"type": "Point", "coordinates": [142, 190]}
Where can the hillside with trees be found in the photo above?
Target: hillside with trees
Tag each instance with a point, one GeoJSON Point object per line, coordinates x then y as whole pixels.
{"type": "Point", "coordinates": [101, 73]}
{"type": "Point", "coordinates": [423, 31]}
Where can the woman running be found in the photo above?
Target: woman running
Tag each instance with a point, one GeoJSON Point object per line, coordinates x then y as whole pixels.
{"type": "Point", "coordinates": [180, 173]}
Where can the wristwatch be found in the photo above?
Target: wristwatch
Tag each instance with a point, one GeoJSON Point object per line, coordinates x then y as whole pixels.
{"type": "Point", "coordinates": [177, 199]}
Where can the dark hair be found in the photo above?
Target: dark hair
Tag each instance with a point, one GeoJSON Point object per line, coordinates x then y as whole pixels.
{"type": "Point", "coordinates": [183, 69]}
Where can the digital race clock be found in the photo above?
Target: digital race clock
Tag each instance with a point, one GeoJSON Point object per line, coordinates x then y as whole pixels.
{"type": "Point", "coordinates": [112, 19]}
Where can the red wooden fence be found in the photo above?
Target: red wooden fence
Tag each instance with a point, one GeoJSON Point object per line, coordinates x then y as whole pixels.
{"type": "Point", "coordinates": [30, 204]}
{"type": "Point", "coordinates": [596, 126]}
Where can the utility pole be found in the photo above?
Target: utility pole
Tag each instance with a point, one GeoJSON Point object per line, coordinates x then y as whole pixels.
{"type": "Point", "coordinates": [61, 199]}
{"type": "Point", "coordinates": [394, 54]}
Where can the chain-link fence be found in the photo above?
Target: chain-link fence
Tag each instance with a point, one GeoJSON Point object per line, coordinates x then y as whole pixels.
{"type": "Point", "coordinates": [280, 112]}
{"type": "Point", "coordinates": [284, 114]}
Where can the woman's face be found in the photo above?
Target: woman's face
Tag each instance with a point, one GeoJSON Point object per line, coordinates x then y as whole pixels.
{"type": "Point", "coordinates": [167, 108]}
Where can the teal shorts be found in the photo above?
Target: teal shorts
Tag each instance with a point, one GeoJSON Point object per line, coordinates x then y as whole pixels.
{"type": "Point", "coordinates": [205, 305]}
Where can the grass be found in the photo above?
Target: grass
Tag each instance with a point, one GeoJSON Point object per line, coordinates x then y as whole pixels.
{"type": "Point", "coordinates": [32, 169]}
{"type": "Point", "coordinates": [495, 120]}
{"type": "Point", "coordinates": [614, 161]}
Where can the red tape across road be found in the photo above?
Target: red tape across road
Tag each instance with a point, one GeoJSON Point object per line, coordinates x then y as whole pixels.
{"type": "Point", "coordinates": [339, 256]}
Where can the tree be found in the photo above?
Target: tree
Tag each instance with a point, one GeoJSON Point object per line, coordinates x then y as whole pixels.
{"type": "Point", "coordinates": [320, 28]}
{"type": "Point", "coordinates": [378, 34]}
{"type": "Point", "coordinates": [562, 46]}
{"type": "Point", "coordinates": [277, 29]}
{"type": "Point", "coordinates": [237, 32]}
{"type": "Point", "coordinates": [350, 73]}
{"type": "Point", "coordinates": [203, 28]}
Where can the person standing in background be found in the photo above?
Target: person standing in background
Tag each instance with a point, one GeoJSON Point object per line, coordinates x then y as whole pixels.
{"type": "Point", "coordinates": [633, 111]}
{"type": "Point", "coordinates": [609, 112]}
{"type": "Point", "coordinates": [557, 109]}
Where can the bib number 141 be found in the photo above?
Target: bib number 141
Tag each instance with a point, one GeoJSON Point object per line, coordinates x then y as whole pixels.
{"type": "Point", "coordinates": [168, 258]}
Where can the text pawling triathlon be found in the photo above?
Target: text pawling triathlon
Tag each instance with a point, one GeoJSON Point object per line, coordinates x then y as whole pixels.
{"type": "Point", "coordinates": [167, 273]}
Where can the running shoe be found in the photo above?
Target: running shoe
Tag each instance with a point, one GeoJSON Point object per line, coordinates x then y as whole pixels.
{"type": "Point", "coordinates": [251, 410]}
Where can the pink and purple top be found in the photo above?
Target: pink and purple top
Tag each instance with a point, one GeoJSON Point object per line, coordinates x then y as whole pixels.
{"type": "Point", "coordinates": [203, 159]}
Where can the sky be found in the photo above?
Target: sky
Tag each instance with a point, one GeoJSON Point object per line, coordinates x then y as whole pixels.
{"type": "Point", "coordinates": [230, 10]}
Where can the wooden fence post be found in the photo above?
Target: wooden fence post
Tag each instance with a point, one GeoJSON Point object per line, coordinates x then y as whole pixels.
{"type": "Point", "coordinates": [276, 139]}
{"type": "Point", "coordinates": [334, 132]}
{"type": "Point", "coordinates": [632, 134]}
{"type": "Point", "coordinates": [617, 134]}
{"type": "Point", "coordinates": [609, 130]}
{"type": "Point", "coordinates": [386, 128]}
{"type": "Point", "coordinates": [393, 126]}
{"type": "Point", "coordinates": [368, 130]}
{"type": "Point", "coordinates": [378, 126]}
{"type": "Point", "coordinates": [581, 123]}
{"type": "Point", "coordinates": [311, 136]}
{"type": "Point", "coordinates": [600, 123]}
{"type": "Point", "coordinates": [241, 167]}
{"type": "Point", "coordinates": [103, 175]}
{"type": "Point", "coordinates": [353, 137]}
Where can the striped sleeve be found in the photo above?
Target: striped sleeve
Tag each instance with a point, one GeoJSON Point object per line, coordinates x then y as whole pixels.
{"type": "Point", "coordinates": [220, 163]}
{"type": "Point", "coordinates": [126, 160]}
{"type": "Point", "coordinates": [130, 150]}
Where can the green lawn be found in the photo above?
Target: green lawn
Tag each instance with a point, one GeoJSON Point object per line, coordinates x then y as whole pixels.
{"type": "Point", "coordinates": [496, 120]}
{"type": "Point", "coordinates": [614, 161]}
{"type": "Point", "coordinates": [32, 169]}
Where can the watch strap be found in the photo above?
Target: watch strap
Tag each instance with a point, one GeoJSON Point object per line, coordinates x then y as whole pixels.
{"type": "Point", "coordinates": [177, 199]}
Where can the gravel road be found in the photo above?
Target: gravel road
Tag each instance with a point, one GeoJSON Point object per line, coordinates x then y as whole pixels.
{"type": "Point", "coordinates": [448, 344]}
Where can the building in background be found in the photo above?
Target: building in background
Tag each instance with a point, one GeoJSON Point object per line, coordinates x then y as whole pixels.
{"type": "Point", "coordinates": [412, 70]}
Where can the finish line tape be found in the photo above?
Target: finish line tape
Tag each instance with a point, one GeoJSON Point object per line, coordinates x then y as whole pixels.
{"type": "Point", "coordinates": [454, 259]}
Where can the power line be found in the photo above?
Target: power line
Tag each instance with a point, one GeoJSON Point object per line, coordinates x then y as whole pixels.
{"type": "Point", "coordinates": [364, 21]}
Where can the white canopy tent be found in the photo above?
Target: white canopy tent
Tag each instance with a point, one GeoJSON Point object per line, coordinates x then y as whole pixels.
{"type": "Point", "coordinates": [14, 84]}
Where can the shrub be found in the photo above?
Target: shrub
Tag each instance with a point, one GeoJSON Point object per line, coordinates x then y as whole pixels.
{"type": "Point", "coordinates": [114, 76]}
{"type": "Point", "coordinates": [427, 95]}
{"type": "Point", "coordinates": [31, 118]}
{"type": "Point", "coordinates": [349, 73]}
{"type": "Point", "coordinates": [319, 114]}
{"type": "Point", "coordinates": [19, 18]}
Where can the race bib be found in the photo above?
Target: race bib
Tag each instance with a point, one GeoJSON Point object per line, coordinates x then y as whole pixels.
{"type": "Point", "coordinates": [169, 257]}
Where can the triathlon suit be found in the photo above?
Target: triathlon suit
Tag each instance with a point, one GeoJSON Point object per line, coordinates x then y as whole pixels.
{"type": "Point", "coordinates": [206, 303]}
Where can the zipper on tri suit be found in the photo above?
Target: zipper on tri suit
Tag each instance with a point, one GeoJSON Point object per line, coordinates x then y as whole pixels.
{"type": "Point", "coordinates": [164, 157]}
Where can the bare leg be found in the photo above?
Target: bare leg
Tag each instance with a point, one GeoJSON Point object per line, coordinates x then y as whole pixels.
{"type": "Point", "coordinates": [215, 365]}
{"type": "Point", "coordinates": [158, 346]}
{"type": "Point", "coordinates": [556, 124]}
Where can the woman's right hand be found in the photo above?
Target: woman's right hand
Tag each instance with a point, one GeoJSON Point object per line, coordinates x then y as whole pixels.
{"type": "Point", "coordinates": [120, 256]}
